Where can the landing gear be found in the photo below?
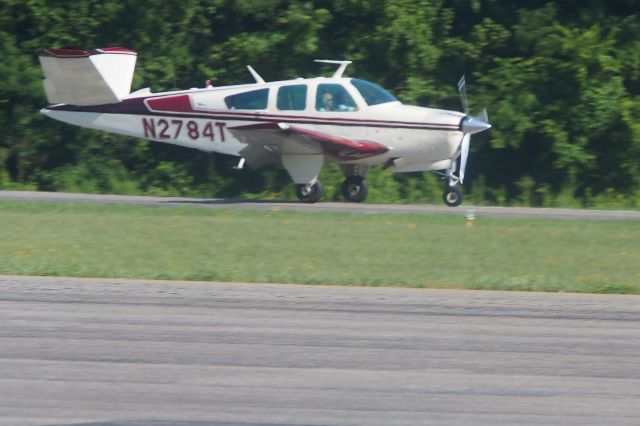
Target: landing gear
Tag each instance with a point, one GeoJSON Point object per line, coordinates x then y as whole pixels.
{"type": "Point", "coordinates": [452, 196]}
{"type": "Point", "coordinates": [310, 193]}
{"type": "Point", "coordinates": [355, 189]}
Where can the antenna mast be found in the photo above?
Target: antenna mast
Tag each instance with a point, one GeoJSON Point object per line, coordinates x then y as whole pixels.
{"type": "Point", "coordinates": [341, 68]}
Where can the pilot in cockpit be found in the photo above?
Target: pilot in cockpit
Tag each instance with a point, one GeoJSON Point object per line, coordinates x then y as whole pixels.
{"type": "Point", "coordinates": [327, 102]}
{"type": "Point", "coordinates": [330, 104]}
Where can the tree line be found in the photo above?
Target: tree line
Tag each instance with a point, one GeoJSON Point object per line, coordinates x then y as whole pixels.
{"type": "Point", "coordinates": [560, 80]}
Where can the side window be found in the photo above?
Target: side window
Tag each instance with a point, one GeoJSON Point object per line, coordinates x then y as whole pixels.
{"type": "Point", "coordinates": [256, 99]}
{"type": "Point", "coordinates": [334, 97]}
{"type": "Point", "coordinates": [292, 97]}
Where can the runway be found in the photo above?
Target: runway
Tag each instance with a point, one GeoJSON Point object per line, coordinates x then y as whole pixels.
{"type": "Point", "coordinates": [505, 212]}
{"type": "Point", "coordinates": [120, 352]}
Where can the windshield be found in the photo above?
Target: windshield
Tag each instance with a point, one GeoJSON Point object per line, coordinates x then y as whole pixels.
{"type": "Point", "coordinates": [372, 93]}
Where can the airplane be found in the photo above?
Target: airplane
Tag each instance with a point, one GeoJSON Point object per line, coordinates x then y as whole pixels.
{"type": "Point", "coordinates": [299, 124]}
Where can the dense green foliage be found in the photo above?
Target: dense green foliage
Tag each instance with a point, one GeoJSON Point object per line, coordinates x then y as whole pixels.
{"type": "Point", "coordinates": [561, 81]}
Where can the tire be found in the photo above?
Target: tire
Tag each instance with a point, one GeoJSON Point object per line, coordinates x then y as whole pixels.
{"type": "Point", "coordinates": [310, 193]}
{"type": "Point", "coordinates": [355, 189]}
{"type": "Point", "coordinates": [452, 196]}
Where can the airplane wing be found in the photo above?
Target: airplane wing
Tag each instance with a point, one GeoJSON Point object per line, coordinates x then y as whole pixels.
{"type": "Point", "coordinates": [266, 141]}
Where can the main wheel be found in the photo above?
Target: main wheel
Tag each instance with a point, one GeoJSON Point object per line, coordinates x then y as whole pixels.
{"type": "Point", "coordinates": [355, 189]}
{"type": "Point", "coordinates": [452, 196]}
{"type": "Point", "coordinates": [310, 193]}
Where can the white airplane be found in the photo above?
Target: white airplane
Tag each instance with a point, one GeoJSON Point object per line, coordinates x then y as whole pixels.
{"type": "Point", "coordinates": [299, 124]}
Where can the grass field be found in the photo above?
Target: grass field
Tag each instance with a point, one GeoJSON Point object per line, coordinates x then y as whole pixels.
{"type": "Point", "coordinates": [194, 243]}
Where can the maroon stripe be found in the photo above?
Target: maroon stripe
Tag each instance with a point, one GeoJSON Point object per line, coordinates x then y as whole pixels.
{"type": "Point", "coordinates": [180, 106]}
{"type": "Point", "coordinates": [180, 103]}
{"type": "Point", "coordinates": [279, 117]}
{"type": "Point", "coordinates": [343, 147]}
{"type": "Point", "coordinates": [80, 53]}
{"type": "Point", "coordinates": [66, 53]}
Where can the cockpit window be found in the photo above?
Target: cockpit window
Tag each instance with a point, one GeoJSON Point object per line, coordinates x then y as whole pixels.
{"type": "Point", "coordinates": [372, 93]}
{"type": "Point", "coordinates": [256, 99]}
{"type": "Point", "coordinates": [292, 97]}
{"type": "Point", "coordinates": [334, 97]}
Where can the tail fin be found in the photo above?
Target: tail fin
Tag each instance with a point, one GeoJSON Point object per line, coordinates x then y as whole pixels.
{"type": "Point", "coordinates": [87, 77]}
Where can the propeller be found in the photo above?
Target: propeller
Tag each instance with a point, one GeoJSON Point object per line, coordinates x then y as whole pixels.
{"type": "Point", "coordinates": [469, 125]}
{"type": "Point", "coordinates": [462, 90]}
{"type": "Point", "coordinates": [464, 154]}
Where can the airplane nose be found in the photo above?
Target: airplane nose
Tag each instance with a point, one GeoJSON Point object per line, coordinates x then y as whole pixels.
{"type": "Point", "coordinates": [471, 125]}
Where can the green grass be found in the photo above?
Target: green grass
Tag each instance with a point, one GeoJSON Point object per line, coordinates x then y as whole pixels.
{"type": "Point", "coordinates": [195, 243]}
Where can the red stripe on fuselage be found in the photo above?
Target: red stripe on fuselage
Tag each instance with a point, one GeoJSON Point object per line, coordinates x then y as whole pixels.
{"type": "Point", "coordinates": [81, 53]}
{"type": "Point", "coordinates": [179, 105]}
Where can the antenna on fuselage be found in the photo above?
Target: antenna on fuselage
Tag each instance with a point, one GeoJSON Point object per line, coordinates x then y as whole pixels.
{"type": "Point", "coordinates": [255, 75]}
{"type": "Point", "coordinates": [341, 68]}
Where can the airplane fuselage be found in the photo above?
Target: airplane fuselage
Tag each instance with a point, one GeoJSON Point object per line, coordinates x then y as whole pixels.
{"type": "Point", "coordinates": [200, 119]}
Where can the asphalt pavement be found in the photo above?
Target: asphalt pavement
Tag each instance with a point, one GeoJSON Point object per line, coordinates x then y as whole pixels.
{"type": "Point", "coordinates": [262, 205]}
{"type": "Point", "coordinates": [140, 353]}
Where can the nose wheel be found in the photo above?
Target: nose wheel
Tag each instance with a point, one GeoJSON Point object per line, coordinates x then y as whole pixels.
{"type": "Point", "coordinates": [310, 193]}
{"type": "Point", "coordinates": [355, 189]}
{"type": "Point", "coordinates": [452, 196]}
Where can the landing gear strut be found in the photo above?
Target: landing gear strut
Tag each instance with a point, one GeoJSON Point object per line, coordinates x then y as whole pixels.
{"type": "Point", "coordinates": [355, 189]}
{"type": "Point", "coordinates": [310, 193]}
{"type": "Point", "coordinates": [452, 196]}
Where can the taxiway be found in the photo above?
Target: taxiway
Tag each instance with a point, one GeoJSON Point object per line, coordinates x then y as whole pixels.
{"type": "Point", "coordinates": [506, 212]}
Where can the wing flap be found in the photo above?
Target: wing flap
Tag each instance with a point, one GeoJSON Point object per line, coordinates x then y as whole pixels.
{"type": "Point", "coordinates": [289, 139]}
